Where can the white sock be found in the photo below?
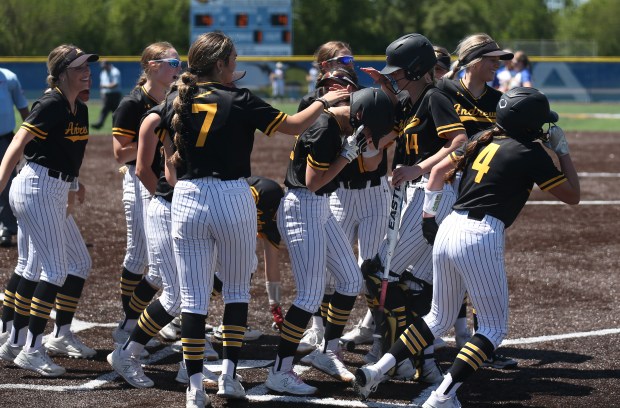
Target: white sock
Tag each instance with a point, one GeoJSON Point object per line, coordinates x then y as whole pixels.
{"type": "Point", "coordinates": [195, 381]}
{"type": "Point", "coordinates": [62, 330]}
{"type": "Point", "coordinates": [317, 323]}
{"type": "Point", "coordinates": [445, 384]}
{"type": "Point", "coordinates": [228, 367]}
{"type": "Point", "coordinates": [132, 349]}
{"type": "Point", "coordinates": [386, 363]}
{"type": "Point", "coordinates": [368, 322]}
{"type": "Point", "coordinates": [285, 364]}
{"type": "Point", "coordinates": [38, 342]}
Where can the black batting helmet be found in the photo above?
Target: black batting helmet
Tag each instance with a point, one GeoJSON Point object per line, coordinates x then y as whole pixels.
{"type": "Point", "coordinates": [523, 112]}
{"type": "Point", "coordinates": [412, 52]}
{"type": "Point", "coordinates": [377, 112]}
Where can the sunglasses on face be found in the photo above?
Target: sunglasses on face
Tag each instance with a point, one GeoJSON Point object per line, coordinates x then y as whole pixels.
{"type": "Point", "coordinates": [344, 60]}
{"type": "Point", "coordinates": [173, 62]}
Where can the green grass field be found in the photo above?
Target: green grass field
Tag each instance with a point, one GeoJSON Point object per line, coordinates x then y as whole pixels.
{"type": "Point", "coordinates": [573, 116]}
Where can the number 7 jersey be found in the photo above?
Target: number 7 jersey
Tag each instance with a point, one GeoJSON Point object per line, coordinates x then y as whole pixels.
{"type": "Point", "coordinates": [498, 179]}
{"type": "Point", "coordinates": [218, 132]}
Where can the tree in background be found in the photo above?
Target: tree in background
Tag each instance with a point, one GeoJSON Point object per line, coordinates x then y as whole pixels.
{"type": "Point", "coordinates": [595, 20]}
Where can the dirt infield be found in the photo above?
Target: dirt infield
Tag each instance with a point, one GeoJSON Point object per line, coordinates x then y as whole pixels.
{"type": "Point", "coordinates": [564, 328]}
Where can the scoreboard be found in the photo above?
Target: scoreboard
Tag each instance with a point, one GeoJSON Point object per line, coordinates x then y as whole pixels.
{"type": "Point", "coordinates": [257, 27]}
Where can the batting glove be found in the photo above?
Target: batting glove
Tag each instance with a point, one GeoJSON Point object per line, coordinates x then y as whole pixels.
{"type": "Point", "coordinates": [429, 229]}
{"type": "Point", "coordinates": [350, 151]}
{"type": "Point", "coordinates": [557, 141]}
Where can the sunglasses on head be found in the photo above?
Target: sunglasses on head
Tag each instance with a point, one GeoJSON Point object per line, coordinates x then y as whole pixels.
{"type": "Point", "coordinates": [173, 62]}
{"type": "Point", "coordinates": [344, 60]}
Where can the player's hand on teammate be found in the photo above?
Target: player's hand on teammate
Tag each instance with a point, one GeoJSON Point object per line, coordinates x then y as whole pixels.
{"type": "Point", "coordinates": [335, 95]}
{"type": "Point", "coordinates": [429, 229]}
{"type": "Point", "coordinates": [350, 150]}
{"type": "Point", "coordinates": [405, 173]}
{"type": "Point", "coordinates": [557, 141]}
{"type": "Point", "coordinates": [374, 74]}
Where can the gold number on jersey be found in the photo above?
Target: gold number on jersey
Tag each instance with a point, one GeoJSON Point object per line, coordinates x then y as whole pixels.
{"type": "Point", "coordinates": [481, 164]}
{"type": "Point", "coordinates": [211, 109]}
{"type": "Point", "coordinates": [412, 143]}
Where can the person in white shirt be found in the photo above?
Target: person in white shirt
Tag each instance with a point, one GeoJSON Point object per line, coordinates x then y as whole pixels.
{"type": "Point", "coordinates": [110, 88]}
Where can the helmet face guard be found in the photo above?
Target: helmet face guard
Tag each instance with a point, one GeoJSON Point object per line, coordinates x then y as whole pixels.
{"type": "Point", "coordinates": [373, 109]}
{"type": "Point", "coordinates": [522, 112]}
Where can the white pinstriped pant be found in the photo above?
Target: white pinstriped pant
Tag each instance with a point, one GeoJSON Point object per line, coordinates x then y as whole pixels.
{"type": "Point", "coordinates": [363, 216]}
{"type": "Point", "coordinates": [468, 256]}
{"type": "Point", "coordinates": [213, 218]}
{"type": "Point", "coordinates": [411, 248]}
{"type": "Point", "coordinates": [79, 262]}
{"type": "Point", "coordinates": [159, 235]}
{"type": "Point", "coordinates": [315, 242]}
{"type": "Point", "coordinates": [40, 205]}
{"type": "Point", "coordinates": [136, 199]}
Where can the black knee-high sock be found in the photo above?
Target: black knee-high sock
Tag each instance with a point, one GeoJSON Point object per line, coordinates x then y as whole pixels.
{"type": "Point", "coordinates": [23, 299]}
{"type": "Point", "coordinates": [129, 281]}
{"type": "Point", "coordinates": [193, 341]}
{"type": "Point", "coordinates": [323, 310]}
{"type": "Point", "coordinates": [475, 318]}
{"type": "Point", "coordinates": [338, 313]}
{"type": "Point", "coordinates": [151, 321]}
{"type": "Point", "coordinates": [8, 303]}
{"type": "Point", "coordinates": [234, 325]}
{"type": "Point", "coordinates": [469, 359]}
{"type": "Point", "coordinates": [67, 300]}
{"type": "Point", "coordinates": [41, 307]}
{"type": "Point", "coordinates": [463, 310]}
{"type": "Point", "coordinates": [292, 331]}
{"type": "Point", "coordinates": [140, 299]}
{"type": "Point", "coordinates": [414, 339]}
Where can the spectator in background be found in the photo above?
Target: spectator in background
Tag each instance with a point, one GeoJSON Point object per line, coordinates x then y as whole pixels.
{"type": "Point", "coordinates": [311, 77]}
{"type": "Point", "coordinates": [277, 81]}
{"type": "Point", "coordinates": [110, 85]}
{"type": "Point", "coordinates": [504, 75]}
{"type": "Point", "coordinates": [11, 94]}
{"type": "Point", "coordinates": [522, 71]}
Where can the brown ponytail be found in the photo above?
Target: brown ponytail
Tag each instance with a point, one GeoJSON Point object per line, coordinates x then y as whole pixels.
{"type": "Point", "coordinates": [472, 149]}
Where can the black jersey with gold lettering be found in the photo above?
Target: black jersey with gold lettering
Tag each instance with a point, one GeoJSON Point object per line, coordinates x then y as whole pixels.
{"type": "Point", "coordinates": [476, 114]}
{"type": "Point", "coordinates": [127, 117]}
{"type": "Point", "coordinates": [60, 136]}
{"type": "Point", "coordinates": [267, 195]}
{"type": "Point", "coordinates": [424, 133]}
{"type": "Point", "coordinates": [218, 131]}
{"type": "Point", "coordinates": [317, 147]}
{"type": "Point", "coordinates": [499, 178]}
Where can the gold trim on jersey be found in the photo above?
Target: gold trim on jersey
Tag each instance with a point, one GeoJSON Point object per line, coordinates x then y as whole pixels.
{"type": "Point", "coordinates": [116, 131]}
{"type": "Point", "coordinates": [469, 93]}
{"type": "Point", "coordinates": [554, 182]}
{"type": "Point", "coordinates": [452, 127]}
{"type": "Point", "coordinates": [149, 96]}
{"type": "Point", "coordinates": [465, 118]}
{"type": "Point", "coordinates": [35, 131]}
{"type": "Point", "coordinates": [317, 165]}
{"type": "Point", "coordinates": [275, 124]}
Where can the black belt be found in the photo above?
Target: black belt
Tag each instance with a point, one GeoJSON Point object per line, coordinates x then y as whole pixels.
{"type": "Point", "coordinates": [476, 215]}
{"type": "Point", "coordinates": [360, 184]}
{"type": "Point", "coordinates": [61, 176]}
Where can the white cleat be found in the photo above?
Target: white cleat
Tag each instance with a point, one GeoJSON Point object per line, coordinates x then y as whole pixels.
{"type": "Point", "coordinates": [330, 363]}
{"type": "Point", "coordinates": [121, 336]}
{"type": "Point", "coordinates": [39, 362]}
{"type": "Point", "coordinates": [367, 379]}
{"type": "Point", "coordinates": [358, 335]}
{"type": "Point", "coordinates": [405, 370]}
{"type": "Point", "coordinates": [439, 401]}
{"type": "Point", "coordinates": [195, 398]}
{"type": "Point", "coordinates": [130, 369]}
{"type": "Point", "coordinates": [210, 353]}
{"type": "Point", "coordinates": [288, 382]}
{"type": "Point", "coordinates": [8, 352]}
{"type": "Point", "coordinates": [423, 396]}
{"type": "Point", "coordinates": [311, 339]}
{"type": "Point", "coordinates": [431, 373]}
{"type": "Point", "coordinates": [209, 377]}
{"type": "Point", "coordinates": [68, 345]}
{"type": "Point", "coordinates": [309, 358]}
{"type": "Point", "coordinates": [4, 337]}
{"type": "Point", "coordinates": [230, 388]}
{"type": "Point", "coordinates": [172, 331]}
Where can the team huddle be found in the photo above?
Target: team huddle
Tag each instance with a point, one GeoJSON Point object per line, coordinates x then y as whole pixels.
{"type": "Point", "coordinates": [429, 241]}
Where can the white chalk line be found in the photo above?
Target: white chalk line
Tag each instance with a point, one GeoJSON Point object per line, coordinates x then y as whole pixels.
{"type": "Point", "coordinates": [260, 392]}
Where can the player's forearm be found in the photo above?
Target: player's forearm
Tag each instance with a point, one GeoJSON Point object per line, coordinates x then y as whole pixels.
{"type": "Point", "coordinates": [568, 168]}
{"type": "Point", "coordinates": [126, 153]}
{"type": "Point", "coordinates": [12, 156]}
{"type": "Point", "coordinates": [316, 179]}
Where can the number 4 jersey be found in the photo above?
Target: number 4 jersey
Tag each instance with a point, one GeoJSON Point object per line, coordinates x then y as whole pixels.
{"type": "Point", "coordinates": [498, 179]}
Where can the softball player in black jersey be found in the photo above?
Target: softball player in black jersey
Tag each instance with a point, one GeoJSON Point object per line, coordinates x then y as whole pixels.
{"type": "Point", "coordinates": [475, 102]}
{"type": "Point", "coordinates": [212, 207]}
{"type": "Point", "coordinates": [315, 240]}
{"type": "Point", "coordinates": [499, 169]}
{"type": "Point", "coordinates": [161, 66]}
{"type": "Point", "coordinates": [267, 195]}
{"type": "Point", "coordinates": [53, 140]}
